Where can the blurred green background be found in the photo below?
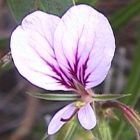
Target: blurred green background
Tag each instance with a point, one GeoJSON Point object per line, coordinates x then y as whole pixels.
{"type": "Point", "coordinates": [22, 116]}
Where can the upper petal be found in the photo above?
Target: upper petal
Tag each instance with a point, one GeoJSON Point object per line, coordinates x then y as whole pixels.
{"type": "Point", "coordinates": [84, 38]}
{"type": "Point", "coordinates": [56, 122]}
{"type": "Point", "coordinates": [87, 117]}
{"type": "Point", "coordinates": [32, 50]}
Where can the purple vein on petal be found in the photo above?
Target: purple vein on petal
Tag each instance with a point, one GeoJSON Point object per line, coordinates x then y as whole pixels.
{"type": "Point", "coordinates": [83, 69]}
{"type": "Point", "coordinates": [76, 56]}
{"type": "Point", "coordinates": [58, 71]}
{"type": "Point", "coordinates": [73, 114]}
{"type": "Point", "coordinates": [61, 80]}
{"type": "Point", "coordinates": [87, 76]}
{"type": "Point", "coordinates": [76, 72]}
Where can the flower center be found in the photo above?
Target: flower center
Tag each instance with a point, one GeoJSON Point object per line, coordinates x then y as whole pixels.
{"type": "Point", "coordinates": [86, 96]}
{"type": "Point", "coordinates": [79, 104]}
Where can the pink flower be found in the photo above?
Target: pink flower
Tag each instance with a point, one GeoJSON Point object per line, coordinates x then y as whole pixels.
{"type": "Point", "coordinates": [72, 53]}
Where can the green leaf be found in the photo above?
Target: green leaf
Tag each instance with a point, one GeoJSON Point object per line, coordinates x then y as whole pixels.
{"type": "Point", "coordinates": [122, 16]}
{"type": "Point", "coordinates": [89, 2]}
{"type": "Point", "coordinates": [107, 97]}
{"type": "Point", "coordinates": [56, 97]}
{"type": "Point", "coordinates": [21, 8]}
{"type": "Point", "coordinates": [72, 97]}
{"type": "Point", "coordinates": [57, 7]}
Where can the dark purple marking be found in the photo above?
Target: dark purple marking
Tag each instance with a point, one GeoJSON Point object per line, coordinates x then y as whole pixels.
{"type": "Point", "coordinates": [76, 73]}
{"type": "Point", "coordinates": [61, 80]}
{"type": "Point", "coordinates": [68, 119]}
{"type": "Point", "coordinates": [54, 69]}
{"type": "Point", "coordinates": [76, 59]}
{"type": "Point", "coordinates": [84, 67]}
{"type": "Point", "coordinates": [87, 76]}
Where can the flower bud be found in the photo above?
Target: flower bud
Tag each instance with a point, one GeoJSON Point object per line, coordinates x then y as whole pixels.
{"type": "Point", "coordinates": [132, 117]}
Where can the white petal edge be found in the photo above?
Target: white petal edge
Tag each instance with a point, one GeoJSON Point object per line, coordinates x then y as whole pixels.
{"type": "Point", "coordinates": [56, 123]}
{"type": "Point", "coordinates": [90, 30]}
{"type": "Point", "coordinates": [87, 117]}
{"type": "Point", "coordinates": [28, 41]}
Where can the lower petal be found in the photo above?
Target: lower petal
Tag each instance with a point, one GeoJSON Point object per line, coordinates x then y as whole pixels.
{"type": "Point", "coordinates": [56, 122]}
{"type": "Point", "coordinates": [87, 117]}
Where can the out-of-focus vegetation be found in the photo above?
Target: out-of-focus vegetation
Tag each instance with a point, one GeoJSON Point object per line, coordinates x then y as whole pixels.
{"type": "Point", "coordinates": [124, 17]}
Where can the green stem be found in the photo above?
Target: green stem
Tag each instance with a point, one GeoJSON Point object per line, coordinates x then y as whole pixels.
{"type": "Point", "coordinates": [70, 132]}
{"type": "Point", "coordinates": [67, 131]}
{"type": "Point", "coordinates": [73, 1]}
{"type": "Point", "coordinates": [104, 130]}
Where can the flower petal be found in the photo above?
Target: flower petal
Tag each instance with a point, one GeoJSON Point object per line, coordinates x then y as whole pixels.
{"type": "Point", "coordinates": [84, 38]}
{"type": "Point", "coordinates": [56, 122]}
{"type": "Point", "coordinates": [32, 50]}
{"type": "Point", "coordinates": [87, 117]}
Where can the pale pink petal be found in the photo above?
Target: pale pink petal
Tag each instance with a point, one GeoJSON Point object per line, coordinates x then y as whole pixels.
{"type": "Point", "coordinates": [105, 39]}
{"type": "Point", "coordinates": [100, 72]}
{"type": "Point", "coordinates": [84, 38]}
{"type": "Point", "coordinates": [32, 50]}
{"type": "Point", "coordinates": [56, 122]}
{"type": "Point", "coordinates": [87, 117]}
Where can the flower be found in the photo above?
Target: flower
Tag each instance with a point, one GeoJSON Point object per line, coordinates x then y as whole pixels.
{"type": "Point", "coordinates": [72, 53]}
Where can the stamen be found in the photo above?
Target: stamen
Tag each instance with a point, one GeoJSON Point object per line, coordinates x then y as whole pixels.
{"type": "Point", "coordinates": [67, 119]}
{"type": "Point", "coordinates": [79, 104]}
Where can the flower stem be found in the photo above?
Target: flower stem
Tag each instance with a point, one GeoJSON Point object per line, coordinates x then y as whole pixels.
{"type": "Point", "coordinates": [102, 130]}
{"type": "Point", "coordinates": [73, 1]}
{"type": "Point", "coordinates": [68, 131]}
